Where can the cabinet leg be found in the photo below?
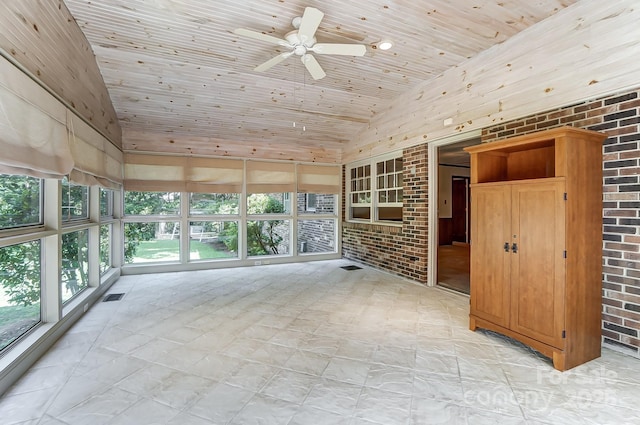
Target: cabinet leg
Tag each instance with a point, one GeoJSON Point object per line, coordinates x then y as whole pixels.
{"type": "Point", "coordinates": [472, 324]}
{"type": "Point", "coordinates": [559, 361]}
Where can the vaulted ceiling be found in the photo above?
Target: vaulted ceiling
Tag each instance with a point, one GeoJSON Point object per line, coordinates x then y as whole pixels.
{"type": "Point", "coordinates": [180, 80]}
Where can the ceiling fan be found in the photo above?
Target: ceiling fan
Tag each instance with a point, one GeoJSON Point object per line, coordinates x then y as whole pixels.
{"type": "Point", "coordinates": [302, 42]}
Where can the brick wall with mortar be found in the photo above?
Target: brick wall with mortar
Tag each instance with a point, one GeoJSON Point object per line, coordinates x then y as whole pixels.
{"type": "Point", "coordinates": [619, 117]}
{"type": "Point", "coordinates": [401, 250]}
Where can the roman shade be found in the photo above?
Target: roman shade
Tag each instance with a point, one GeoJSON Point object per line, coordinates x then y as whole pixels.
{"type": "Point", "coordinates": [312, 178]}
{"type": "Point", "coordinates": [155, 173]}
{"type": "Point", "coordinates": [212, 175]}
{"type": "Point", "coordinates": [270, 177]}
{"type": "Point", "coordinates": [96, 160]}
{"type": "Point", "coordinates": [33, 132]}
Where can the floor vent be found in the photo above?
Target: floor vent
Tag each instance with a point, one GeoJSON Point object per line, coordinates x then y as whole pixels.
{"type": "Point", "coordinates": [113, 297]}
{"type": "Point", "coordinates": [350, 268]}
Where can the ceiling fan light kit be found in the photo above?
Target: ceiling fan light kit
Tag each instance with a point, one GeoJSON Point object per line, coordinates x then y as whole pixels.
{"type": "Point", "coordinates": [302, 42]}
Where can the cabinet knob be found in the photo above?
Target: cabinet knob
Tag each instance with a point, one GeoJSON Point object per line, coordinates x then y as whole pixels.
{"type": "Point", "coordinates": [514, 248]}
{"type": "Point", "coordinates": [506, 247]}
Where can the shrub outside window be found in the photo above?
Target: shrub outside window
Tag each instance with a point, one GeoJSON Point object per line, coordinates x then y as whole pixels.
{"type": "Point", "coordinates": [151, 203]}
{"type": "Point", "coordinates": [214, 204]}
{"type": "Point", "coordinates": [75, 264]}
{"type": "Point", "coordinates": [20, 291]}
{"type": "Point", "coordinates": [75, 201]}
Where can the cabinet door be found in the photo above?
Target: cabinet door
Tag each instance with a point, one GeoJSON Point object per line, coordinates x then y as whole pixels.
{"type": "Point", "coordinates": [537, 268]}
{"type": "Point", "coordinates": [491, 216]}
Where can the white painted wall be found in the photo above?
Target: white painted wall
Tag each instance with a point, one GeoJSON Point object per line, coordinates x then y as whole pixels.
{"type": "Point", "coordinates": [445, 173]}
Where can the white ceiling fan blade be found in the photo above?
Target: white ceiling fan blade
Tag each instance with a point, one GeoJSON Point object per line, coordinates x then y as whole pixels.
{"type": "Point", "coordinates": [313, 67]}
{"type": "Point", "coordinates": [260, 36]}
{"type": "Point", "coordinates": [309, 23]}
{"type": "Point", "coordinates": [272, 62]}
{"type": "Point", "coordinates": [339, 49]}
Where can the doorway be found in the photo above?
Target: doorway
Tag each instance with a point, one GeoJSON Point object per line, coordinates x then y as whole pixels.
{"type": "Point", "coordinates": [454, 210]}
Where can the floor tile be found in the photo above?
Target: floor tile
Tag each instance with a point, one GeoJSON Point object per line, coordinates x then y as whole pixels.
{"type": "Point", "coordinates": [305, 343]}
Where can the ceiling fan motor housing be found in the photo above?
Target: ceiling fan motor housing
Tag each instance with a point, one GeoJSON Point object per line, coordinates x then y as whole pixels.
{"type": "Point", "coordinates": [299, 48]}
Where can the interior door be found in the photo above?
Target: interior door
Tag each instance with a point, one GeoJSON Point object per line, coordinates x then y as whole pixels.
{"type": "Point", "coordinates": [537, 266]}
{"type": "Point", "coordinates": [490, 268]}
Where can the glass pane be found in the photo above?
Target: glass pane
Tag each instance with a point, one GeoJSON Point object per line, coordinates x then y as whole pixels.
{"type": "Point", "coordinates": [399, 180]}
{"type": "Point", "coordinates": [316, 236]}
{"type": "Point", "coordinates": [106, 202]}
{"type": "Point", "coordinates": [151, 203]}
{"type": "Point", "coordinates": [75, 263]}
{"type": "Point", "coordinates": [361, 213]}
{"type": "Point", "coordinates": [362, 198]}
{"type": "Point", "coordinates": [391, 180]}
{"type": "Point", "coordinates": [354, 198]}
{"type": "Point", "coordinates": [392, 196]}
{"type": "Point", "coordinates": [390, 213]}
{"type": "Point", "coordinates": [105, 248]}
{"type": "Point", "coordinates": [354, 185]}
{"type": "Point", "coordinates": [268, 203]}
{"type": "Point", "coordinates": [20, 294]}
{"type": "Point", "coordinates": [75, 201]}
{"type": "Point", "coordinates": [214, 203]}
{"type": "Point", "coordinates": [150, 242]}
{"type": "Point", "coordinates": [268, 237]}
{"type": "Point", "coordinates": [324, 204]}
{"type": "Point", "coordinates": [367, 170]}
{"type": "Point", "coordinates": [380, 167]}
{"type": "Point", "coordinates": [399, 195]}
{"type": "Point", "coordinates": [382, 196]}
{"type": "Point", "coordinates": [20, 201]}
{"type": "Point", "coordinates": [389, 166]}
{"type": "Point", "coordinates": [209, 240]}
{"type": "Point", "coordinates": [367, 184]}
{"type": "Point", "coordinates": [381, 182]}
{"type": "Point", "coordinates": [398, 162]}
{"type": "Point", "coordinates": [354, 173]}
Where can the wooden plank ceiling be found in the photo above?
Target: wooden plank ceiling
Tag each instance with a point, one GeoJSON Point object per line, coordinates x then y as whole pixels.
{"type": "Point", "coordinates": [181, 81]}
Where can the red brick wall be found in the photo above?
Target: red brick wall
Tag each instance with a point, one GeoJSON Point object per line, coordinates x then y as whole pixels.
{"type": "Point", "coordinates": [400, 250]}
{"type": "Point", "coordinates": [619, 117]}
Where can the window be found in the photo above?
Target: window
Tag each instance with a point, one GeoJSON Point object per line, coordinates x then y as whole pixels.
{"type": "Point", "coordinates": [269, 203]}
{"type": "Point", "coordinates": [375, 190]}
{"type": "Point", "coordinates": [389, 189]}
{"type": "Point", "coordinates": [214, 204]}
{"type": "Point", "coordinates": [105, 247]}
{"type": "Point", "coordinates": [211, 240]}
{"type": "Point", "coordinates": [310, 202]}
{"type": "Point", "coordinates": [75, 201]}
{"type": "Point", "coordinates": [75, 264]}
{"type": "Point", "coordinates": [21, 201]}
{"type": "Point", "coordinates": [264, 236]}
{"type": "Point", "coordinates": [151, 203]}
{"type": "Point", "coordinates": [316, 203]}
{"type": "Point", "coordinates": [152, 241]}
{"type": "Point", "coordinates": [316, 236]}
{"type": "Point", "coordinates": [20, 292]}
{"type": "Point", "coordinates": [106, 202]}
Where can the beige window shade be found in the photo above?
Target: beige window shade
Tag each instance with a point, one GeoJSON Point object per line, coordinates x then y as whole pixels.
{"type": "Point", "coordinates": [211, 175]}
{"type": "Point", "coordinates": [155, 173]}
{"type": "Point", "coordinates": [270, 177]}
{"type": "Point", "coordinates": [319, 179]}
{"type": "Point", "coordinates": [96, 160]}
{"type": "Point", "coordinates": [33, 133]}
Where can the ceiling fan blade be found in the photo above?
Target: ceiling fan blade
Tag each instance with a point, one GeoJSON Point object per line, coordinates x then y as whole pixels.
{"type": "Point", "coordinates": [260, 36]}
{"type": "Point", "coordinates": [313, 66]}
{"type": "Point", "coordinates": [272, 62]}
{"type": "Point", "coordinates": [339, 49]}
{"type": "Point", "coordinates": [309, 23]}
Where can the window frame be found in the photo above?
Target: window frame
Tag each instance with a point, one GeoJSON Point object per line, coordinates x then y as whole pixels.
{"type": "Point", "coordinates": [374, 203]}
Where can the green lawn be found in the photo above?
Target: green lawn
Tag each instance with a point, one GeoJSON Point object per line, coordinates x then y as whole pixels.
{"type": "Point", "coordinates": [168, 250]}
{"type": "Point", "coordinates": [15, 320]}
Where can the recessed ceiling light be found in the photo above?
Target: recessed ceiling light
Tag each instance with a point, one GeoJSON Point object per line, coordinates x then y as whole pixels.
{"type": "Point", "coordinates": [385, 45]}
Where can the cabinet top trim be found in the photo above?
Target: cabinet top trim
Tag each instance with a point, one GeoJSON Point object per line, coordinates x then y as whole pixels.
{"type": "Point", "coordinates": [539, 139]}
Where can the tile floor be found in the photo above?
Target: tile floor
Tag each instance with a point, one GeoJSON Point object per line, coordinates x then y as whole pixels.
{"type": "Point", "coordinates": [304, 344]}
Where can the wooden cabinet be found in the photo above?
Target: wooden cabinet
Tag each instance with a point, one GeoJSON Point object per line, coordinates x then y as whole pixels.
{"type": "Point", "coordinates": [536, 241]}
